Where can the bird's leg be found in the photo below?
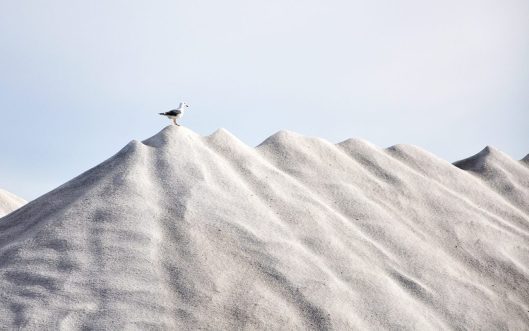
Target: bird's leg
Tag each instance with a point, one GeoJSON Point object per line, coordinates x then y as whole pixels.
{"type": "Point", "coordinates": [174, 121]}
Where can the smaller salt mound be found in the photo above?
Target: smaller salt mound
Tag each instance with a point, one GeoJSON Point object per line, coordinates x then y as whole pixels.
{"type": "Point", "coordinates": [9, 202]}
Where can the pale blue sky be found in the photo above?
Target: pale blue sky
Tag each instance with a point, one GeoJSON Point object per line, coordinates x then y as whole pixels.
{"type": "Point", "coordinates": [79, 79]}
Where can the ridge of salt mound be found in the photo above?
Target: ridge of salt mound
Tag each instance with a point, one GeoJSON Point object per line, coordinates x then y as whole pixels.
{"type": "Point", "coordinates": [357, 143]}
{"type": "Point", "coordinates": [220, 133]}
{"type": "Point", "coordinates": [491, 163]}
{"type": "Point", "coordinates": [290, 143]}
{"type": "Point", "coordinates": [405, 151]}
{"type": "Point", "coordinates": [224, 137]}
{"type": "Point", "coordinates": [419, 159]}
{"type": "Point", "coordinates": [286, 149]}
{"type": "Point", "coordinates": [478, 161]}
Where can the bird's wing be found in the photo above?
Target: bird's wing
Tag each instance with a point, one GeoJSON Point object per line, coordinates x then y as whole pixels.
{"type": "Point", "coordinates": [173, 112]}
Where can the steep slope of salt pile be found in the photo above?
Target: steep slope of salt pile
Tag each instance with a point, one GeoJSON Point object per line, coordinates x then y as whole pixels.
{"type": "Point", "coordinates": [190, 232]}
{"type": "Point", "coordinates": [9, 202]}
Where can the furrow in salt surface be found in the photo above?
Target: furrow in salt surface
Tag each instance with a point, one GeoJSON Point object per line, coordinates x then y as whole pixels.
{"type": "Point", "coordinates": [190, 232]}
{"type": "Point", "coordinates": [52, 230]}
{"type": "Point", "coordinates": [354, 195]}
{"type": "Point", "coordinates": [267, 183]}
{"type": "Point", "coordinates": [320, 162]}
{"type": "Point", "coordinates": [464, 183]}
{"type": "Point", "coordinates": [505, 215]}
{"type": "Point", "coordinates": [119, 282]}
{"type": "Point", "coordinates": [228, 259]}
{"type": "Point", "coordinates": [306, 195]}
{"type": "Point", "coordinates": [361, 188]}
{"type": "Point", "coordinates": [344, 221]}
{"type": "Point", "coordinates": [183, 252]}
{"type": "Point", "coordinates": [379, 308]}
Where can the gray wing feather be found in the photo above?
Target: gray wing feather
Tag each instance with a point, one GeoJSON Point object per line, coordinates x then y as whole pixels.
{"type": "Point", "coordinates": [173, 112]}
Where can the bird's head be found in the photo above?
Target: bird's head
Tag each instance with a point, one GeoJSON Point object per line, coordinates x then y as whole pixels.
{"type": "Point", "coordinates": [183, 105]}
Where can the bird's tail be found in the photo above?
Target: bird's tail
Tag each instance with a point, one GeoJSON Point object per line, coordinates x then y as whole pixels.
{"type": "Point", "coordinates": [161, 114]}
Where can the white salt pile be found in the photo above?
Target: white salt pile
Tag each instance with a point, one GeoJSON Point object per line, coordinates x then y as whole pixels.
{"type": "Point", "coordinates": [9, 202]}
{"type": "Point", "coordinates": [190, 232]}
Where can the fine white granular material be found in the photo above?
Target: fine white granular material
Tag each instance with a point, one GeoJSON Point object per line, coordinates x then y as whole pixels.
{"type": "Point", "coordinates": [186, 232]}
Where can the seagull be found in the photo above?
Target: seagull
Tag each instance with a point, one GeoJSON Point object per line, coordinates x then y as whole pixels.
{"type": "Point", "coordinates": [176, 113]}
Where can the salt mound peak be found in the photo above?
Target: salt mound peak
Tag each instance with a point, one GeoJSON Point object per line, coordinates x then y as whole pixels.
{"type": "Point", "coordinates": [406, 149]}
{"type": "Point", "coordinates": [131, 147]}
{"type": "Point", "coordinates": [9, 202]}
{"type": "Point", "coordinates": [356, 147]}
{"type": "Point", "coordinates": [220, 132]}
{"type": "Point", "coordinates": [478, 161]}
{"type": "Point", "coordinates": [362, 143]}
{"type": "Point", "coordinates": [171, 135]}
{"type": "Point", "coordinates": [223, 136]}
{"type": "Point", "coordinates": [281, 137]}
